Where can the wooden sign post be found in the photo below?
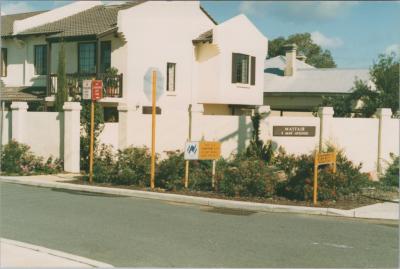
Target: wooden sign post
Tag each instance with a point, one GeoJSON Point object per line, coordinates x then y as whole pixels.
{"type": "Point", "coordinates": [321, 159]}
{"type": "Point", "coordinates": [97, 94]}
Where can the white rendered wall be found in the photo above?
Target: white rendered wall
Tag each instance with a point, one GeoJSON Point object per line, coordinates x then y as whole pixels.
{"type": "Point", "coordinates": [109, 135]}
{"type": "Point", "coordinates": [42, 133]}
{"type": "Point", "coordinates": [157, 33]}
{"type": "Point", "coordinates": [237, 35]}
{"type": "Point", "coordinates": [291, 144]}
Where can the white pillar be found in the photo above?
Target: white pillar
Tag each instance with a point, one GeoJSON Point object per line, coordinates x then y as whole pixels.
{"type": "Point", "coordinates": [383, 114]}
{"type": "Point", "coordinates": [18, 117]}
{"type": "Point", "coordinates": [72, 137]}
{"type": "Point", "coordinates": [127, 116]}
{"type": "Point", "coordinates": [325, 114]}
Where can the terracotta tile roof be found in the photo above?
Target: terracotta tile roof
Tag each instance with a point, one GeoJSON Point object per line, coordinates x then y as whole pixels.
{"type": "Point", "coordinates": [92, 21]}
{"type": "Point", "coordinates": [7, 21]}
{"type": "Point", "coordinates": [22, 93]}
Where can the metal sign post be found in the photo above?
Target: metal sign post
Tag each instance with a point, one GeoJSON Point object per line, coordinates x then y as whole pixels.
{"type": "Point", "coordinates": [96, 94]}
{"type": "Point", "coordinates": [320, 159]}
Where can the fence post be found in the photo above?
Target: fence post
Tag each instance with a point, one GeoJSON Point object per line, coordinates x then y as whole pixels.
{"type": "Point", "coordinates": [324, 114]}
{"type": "Point", "coordinates": [72, 137]}
{"type": "Point", "coordinates": [382, 114]}
{"type": "Point", "coordinates": [18, 115]}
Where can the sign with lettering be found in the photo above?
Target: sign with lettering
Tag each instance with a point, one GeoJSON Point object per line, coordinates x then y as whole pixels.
{"type": "Point", "coordinates": [97, 90]}
{"type": "Point", "coordinates": [326, 158]}
{"type": "Point", "coordinates": [209, 150]}
{"type": "Point", "coordinates": [202, 150]}
{"type": "Point", "coordinates": [293, 131]}
{"type": "Point", "coordinates": [87, 89]}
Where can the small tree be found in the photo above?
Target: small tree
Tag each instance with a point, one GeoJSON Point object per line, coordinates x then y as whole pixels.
{"type": "Point", "coordinates": [85, 130]}
{"type": "Point", "coordinates": [62, 93]}
{"type": "Point", "coordinates": [257, 148]}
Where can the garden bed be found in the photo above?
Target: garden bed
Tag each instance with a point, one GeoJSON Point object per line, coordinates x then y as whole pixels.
{"type": "Point", "coordinates": [351, 202]}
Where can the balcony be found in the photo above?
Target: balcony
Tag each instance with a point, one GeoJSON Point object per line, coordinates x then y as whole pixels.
{"type": "Point", "coordinates": [112, 84]}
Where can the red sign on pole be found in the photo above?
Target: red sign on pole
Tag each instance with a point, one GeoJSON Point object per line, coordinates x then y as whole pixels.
{"type": "Point", "coordinates": [97, 90]}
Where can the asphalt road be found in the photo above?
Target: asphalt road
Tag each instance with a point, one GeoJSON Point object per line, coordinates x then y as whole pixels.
{"type": "Point", "coordinates": [126, 231]}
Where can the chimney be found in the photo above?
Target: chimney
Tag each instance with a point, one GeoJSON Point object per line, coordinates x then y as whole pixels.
{"type": "Point", "coordinates": [290, 68]}
{"type": "Point", "coordinates": [301, 57]}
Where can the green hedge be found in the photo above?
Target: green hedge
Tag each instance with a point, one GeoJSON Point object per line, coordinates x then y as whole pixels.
{"type": "Point", "coordinates": [17, 159]}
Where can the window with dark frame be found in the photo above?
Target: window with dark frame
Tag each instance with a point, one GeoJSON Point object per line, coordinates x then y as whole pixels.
{"type": "Point", "coordinates": [3, 59]}
{"type": "Point", "coordinates": [40, 59]}
{"type": "Point", "coordinates": [171, 72]}
{"type": "Point", "coordinates": [87, 58]}
{"type": "Point", "coordinates": [242, 66]}
{"type": "Point", "coordinates": [105, 56]}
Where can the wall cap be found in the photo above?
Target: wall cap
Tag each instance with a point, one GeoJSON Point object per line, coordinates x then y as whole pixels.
{"type": "Point", "coordinates": [19, 106]}
{"type": "Point", "coordinates": [326, 111]}
{"type": "Point", "coordinates": [72, 106]}
{"type": "Point", "coordinates": [383, 112]}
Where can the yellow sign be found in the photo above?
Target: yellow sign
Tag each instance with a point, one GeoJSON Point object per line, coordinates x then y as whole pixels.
{"type": "Point", "coordinates": [326, 158]}
{"type": "Point", "coordinates": [209, 150]}
{"type": "Point", "coordinates": [320, 159]}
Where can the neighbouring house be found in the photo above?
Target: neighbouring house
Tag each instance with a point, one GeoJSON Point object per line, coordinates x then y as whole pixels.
{"type": "Point", "coordinates": [293, 87]}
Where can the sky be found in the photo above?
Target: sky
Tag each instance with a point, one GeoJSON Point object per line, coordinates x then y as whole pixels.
{"type": "Point", "coordinates": [355, 32]}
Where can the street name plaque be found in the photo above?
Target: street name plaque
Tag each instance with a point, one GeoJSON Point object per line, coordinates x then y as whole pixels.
{"type": "Point", "coordinates": [307, 131]}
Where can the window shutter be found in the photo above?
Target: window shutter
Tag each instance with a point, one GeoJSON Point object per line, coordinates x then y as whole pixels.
{"type": "Point", "coordinates": [234, 67]}
{"type": "Point", "coordinates": [253, 71]}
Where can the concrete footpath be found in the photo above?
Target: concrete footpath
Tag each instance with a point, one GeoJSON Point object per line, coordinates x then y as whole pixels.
{"type": "Point", "coordinates": [19, 254]}
{"type": "Point", "coordinates": [385, 211]}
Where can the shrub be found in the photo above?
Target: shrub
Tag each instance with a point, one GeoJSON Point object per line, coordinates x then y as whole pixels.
{"type": "Point", "coordinates": [200, 175]}
{"type": "Point", "coordinates": [252, 178]}
{"type": "Point", "coordinates": [104, 166]}
{"type": "Point", "coordinates": [133, 166]}
{"type": "Point", "coordinates": [300, 170]}
{"type": "Point", "coordinates": [391, 176]}
{"type": "Point", "coordinates": [17, 158]}
{"type": "Point", "coordinates": [171, 171]}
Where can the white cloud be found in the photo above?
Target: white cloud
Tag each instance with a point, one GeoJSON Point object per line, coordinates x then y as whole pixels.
{"type": "Point", "coordinates": [296, 11]}
{"type": "Point", "coordinates": [324, 41]}
{"type": "Point", "coordinates": [9, 7]}
{"type": "Point", "coordinates": [395, 48]}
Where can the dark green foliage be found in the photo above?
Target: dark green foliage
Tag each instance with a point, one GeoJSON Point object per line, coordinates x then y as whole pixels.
{"type": "Point", "coordinates": [17, 159]}
{"type": "Point", "coordinates": [347, 180]}
{"type": "Point", "coordinates": [385, 75]}
{"type": "Point", "coordinates": [316, 56]}
{"type": "Point", "coordinates": [391, 176]}
{"type": "Point", "coordinates": [200, 175]}
{"type": "Point", "coordinates": [171, 171]}
{"type": "Point", "coordinates": [257, 149]}
{"type": "Point", "coordinates": [85, 130]}
{"type": "Point", "coordinates": [251, 178]}
{"type": "Point", "coordinates": [130, 166]}
{"type": "Point", "coordinates": [62, 93]}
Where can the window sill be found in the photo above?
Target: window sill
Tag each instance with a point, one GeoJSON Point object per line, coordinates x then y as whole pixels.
{"type": "Point", "coordinates": [243, 86]}
{"type": "Point", "coordinates": [171, 93]}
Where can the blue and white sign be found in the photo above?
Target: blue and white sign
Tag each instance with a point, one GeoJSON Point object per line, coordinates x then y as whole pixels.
{"type": "Point", "coordinates": [148, 83]}
{"type": "Point", "coordinates": [192, 151]}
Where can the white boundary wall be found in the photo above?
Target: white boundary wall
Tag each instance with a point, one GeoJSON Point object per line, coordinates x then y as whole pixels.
{"type": "Point", "coordinates": [48, 134]}
{"type": "Point", "coordinates": [357, 137]}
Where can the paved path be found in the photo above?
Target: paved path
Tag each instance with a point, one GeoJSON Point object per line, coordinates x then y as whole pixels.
{"type": "Point", "coordinates": [19, 254]}
{"type": "Point", "coordinates": [134, 232]}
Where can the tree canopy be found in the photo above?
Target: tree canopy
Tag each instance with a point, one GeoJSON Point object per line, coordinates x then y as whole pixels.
{"type": "Point", "coordinates": [316, 56]}
{"type": "Point", "coordinates": [365, 99]}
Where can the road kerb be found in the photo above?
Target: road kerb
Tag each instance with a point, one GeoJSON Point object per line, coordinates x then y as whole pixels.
{"type": "Point", "coordinates": [61, 255]}
{"type": "Point", "coordinates": [213, 202]}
